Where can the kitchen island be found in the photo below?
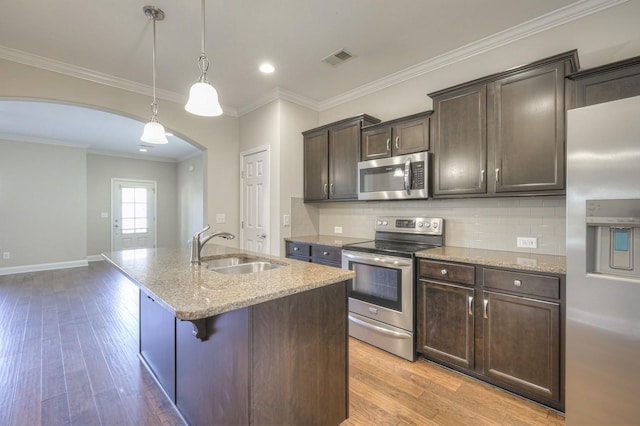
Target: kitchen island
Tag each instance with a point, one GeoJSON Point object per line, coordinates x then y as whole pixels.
{"type": "Point", "coordinates": [266, 347]}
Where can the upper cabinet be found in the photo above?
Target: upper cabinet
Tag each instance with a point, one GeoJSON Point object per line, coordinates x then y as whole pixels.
{"type": "Point", "coordinates": [397, 137]}
{"type": "Point", "coordinates": [503, 134]}
{"type": "Point", "coordinates": [331, 155]}
{"type": "Point", "coordinates": [606, 83]}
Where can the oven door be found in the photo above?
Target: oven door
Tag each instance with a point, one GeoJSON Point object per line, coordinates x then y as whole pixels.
{"type": "Point", "coordinates": [382, 289]}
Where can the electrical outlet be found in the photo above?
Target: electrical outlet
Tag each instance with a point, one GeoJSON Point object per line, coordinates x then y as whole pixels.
{"type": "Point", "coordinates": [527, 242]}
{"type": "Point", "coordinates": [286, 220]}
{"type": "Point", "coordinates": [337, 229]}
{"type": "Point", "coordinates": [220, 218]}
{"type": "Point", "coordinates": [104, 215]}
{"type": "Point", "coordinates": [6, 255]}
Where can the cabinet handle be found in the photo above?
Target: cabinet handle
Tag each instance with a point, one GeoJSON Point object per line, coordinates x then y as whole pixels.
{"type": "Point", "coordinates": [324, 189]}
{"type": "Point", "coordinates": [498, 175]}
{"type": "Point", "coordinates": [296, 249]}
{"type": "Point", "coordinates": [444, 272]}
{"type": "Point", "coordinates": [326, 253]}
{"type": "Point", "coordinates": [486, 308]}
{"type": "Point", "coordinates": [471, 305]}
{"type": "Point", "coordinates": [397, 142]}
{"type": "Point", "coordinates": [388, 144]}
{"type": "Point", "coordinates": [517, 283]}
{"type": "Point", "coordinates": [481, 176]}
{"type": "Point", "coordinates": [331, 189]}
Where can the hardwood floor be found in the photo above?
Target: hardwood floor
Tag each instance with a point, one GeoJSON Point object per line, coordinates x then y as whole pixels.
{"type": "Point", "coordinates": [68, 355]}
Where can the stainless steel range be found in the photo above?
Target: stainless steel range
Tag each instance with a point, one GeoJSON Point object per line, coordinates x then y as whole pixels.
{"type": "Point", "coordinates": [382, 296]}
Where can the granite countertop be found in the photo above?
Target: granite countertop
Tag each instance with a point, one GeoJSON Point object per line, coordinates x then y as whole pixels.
{"type": "Point", "coordinates": [503, 259]}
{"type": "Point", "coordinates": [328, 240]}
{"type": "Point", "coordinates": [194, 292]}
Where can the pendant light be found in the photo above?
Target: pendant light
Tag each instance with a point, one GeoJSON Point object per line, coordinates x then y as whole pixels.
{"type": "Point", "coordinates": [203, 98]}
{"type": "Point", "coordinates": [153, 130]}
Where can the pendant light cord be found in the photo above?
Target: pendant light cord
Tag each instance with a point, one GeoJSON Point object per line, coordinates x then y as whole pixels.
{"type": "Point", "coordinates": [203, 61]}
{"type": "Point", "coordinates": [154, 105]}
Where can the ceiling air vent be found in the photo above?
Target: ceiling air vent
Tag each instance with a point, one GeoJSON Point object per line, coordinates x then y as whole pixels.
{"type": "Point", "coordinates": [338, 57]}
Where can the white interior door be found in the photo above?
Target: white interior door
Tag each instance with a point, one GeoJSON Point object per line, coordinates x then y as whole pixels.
{"type": "Point", "coordinates": [133, 209]}
{"type": "Point", "coordinates": [254, 207]}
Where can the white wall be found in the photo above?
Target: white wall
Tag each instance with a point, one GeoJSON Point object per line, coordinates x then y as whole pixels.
{"type": "Point", "coordinates": [218, 136]}
{"type": "Point", "coordinates": [43, 205]}
{"type": "Point", "coordinates": [190, 198]}
{"type": "Point", "coordinates": [101, 169]}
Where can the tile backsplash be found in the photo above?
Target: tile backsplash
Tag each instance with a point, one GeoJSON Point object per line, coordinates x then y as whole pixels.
{"type": "Point", "coordinates": [487, 223]}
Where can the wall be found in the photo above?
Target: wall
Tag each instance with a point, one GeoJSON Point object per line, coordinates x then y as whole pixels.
{"type": "Point", "coordinates": [190, 198]}
{"type": "Point", "coordinates": [43, 199]}
{"type": "Point", "coordinates": [479, 223]}
{"type": "Point", "coordinates": [219, 136]}
{"type": "Point", "coordinates": [101, 169]}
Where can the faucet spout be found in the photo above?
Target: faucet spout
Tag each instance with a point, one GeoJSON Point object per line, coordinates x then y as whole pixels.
{"type": "Point", "coordinates": [198, 242]}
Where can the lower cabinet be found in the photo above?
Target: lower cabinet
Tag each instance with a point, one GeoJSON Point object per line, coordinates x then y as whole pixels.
{"type": "Point", "coordinates": [158, 342]}
{"type": "Point", "coordinates": [504, 327]}
{"type": "Point", "coordinates": [315, 253]}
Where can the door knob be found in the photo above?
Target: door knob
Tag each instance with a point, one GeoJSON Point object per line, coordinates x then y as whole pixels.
{"type": "Point", "coordinates": [263, 236]}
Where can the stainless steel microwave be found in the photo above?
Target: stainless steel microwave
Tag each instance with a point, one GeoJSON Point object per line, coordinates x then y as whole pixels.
{"type": "Point", "coordinates": [394, 178]}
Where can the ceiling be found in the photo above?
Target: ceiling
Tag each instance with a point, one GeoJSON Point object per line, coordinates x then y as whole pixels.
{"type": "Point", "coordinates": [111, 41]}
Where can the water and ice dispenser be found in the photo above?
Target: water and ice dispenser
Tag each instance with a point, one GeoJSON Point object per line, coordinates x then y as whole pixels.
{"type": "Point", "coordinates": [613, 237]}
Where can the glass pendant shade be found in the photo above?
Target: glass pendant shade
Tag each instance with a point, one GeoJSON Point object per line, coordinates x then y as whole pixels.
{"type": "Point", "coordinates": [203, 100]}
{"type": "Point", "coordinates": [154, 133]}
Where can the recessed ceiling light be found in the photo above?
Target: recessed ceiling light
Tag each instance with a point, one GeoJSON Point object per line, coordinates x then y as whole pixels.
{"type": "Point", "coordinates": [267, 68]}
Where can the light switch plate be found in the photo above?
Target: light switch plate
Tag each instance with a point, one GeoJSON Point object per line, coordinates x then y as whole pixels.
{"type": "Point", "coordinates": [104, 215]}
{"type": "Point", "coordinates": [286, 220]}
{"type": "Point", "coordinates": [220, 218]}
{"type": "Point", "coordinates": [6, 255]}
{"type": "Point", "coordinates": [337, 229]}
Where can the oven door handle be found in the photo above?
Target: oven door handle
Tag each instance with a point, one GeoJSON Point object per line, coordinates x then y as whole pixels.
{"type": "Point", "coordinates": [377, 259]}
{"type": "Point", "coordinates": [379, 329]}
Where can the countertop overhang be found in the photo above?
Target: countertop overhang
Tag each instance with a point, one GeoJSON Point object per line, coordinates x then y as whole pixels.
{"type": "Point", "coordinates": [193, 292]}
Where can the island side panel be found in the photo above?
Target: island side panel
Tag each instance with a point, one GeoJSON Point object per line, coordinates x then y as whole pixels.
{"type": "Point", "coordinates": [300, 358]}
{"type": "Point", "coordinates": [213, 375]}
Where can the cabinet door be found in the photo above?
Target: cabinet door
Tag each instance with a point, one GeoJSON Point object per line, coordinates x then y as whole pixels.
{"type": "Point", "coordinates": [411, 136]}
{"type": "Point", "coordinates": [526, 130]}
{"type": "Point", "coordinates": [445, 323]}
{"type": "Point", "coordinates": [316, 166]}
{"type": "Point", "coordinates": [459, 139]}
{"type": "Point", "coordinates": [344, 154]}
{"type": "Point", "coordinates": [376, 143]}
{"type": "Point", "coordinates": [522, 343]}
{"type": "Point", "coordinates": [158, 342]}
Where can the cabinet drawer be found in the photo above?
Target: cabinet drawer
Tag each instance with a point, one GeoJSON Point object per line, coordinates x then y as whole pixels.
{"type": "Point", "coordinates": [298, 249]}
{"type": "Point", "coordinates": [451, 272]}
{"type": "Point", "coordinates": [327, 253]}
{"type": "Point", "coordinates": [523, 283]}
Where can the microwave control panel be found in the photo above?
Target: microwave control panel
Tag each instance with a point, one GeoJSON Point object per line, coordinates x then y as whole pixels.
{"type": "Point", "coordinates": [417, 175]}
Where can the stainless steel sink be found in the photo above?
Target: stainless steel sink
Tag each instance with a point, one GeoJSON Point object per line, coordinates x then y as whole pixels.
{"type": "Point", "coordinates": [247, 268]}
{"type": "Point", "coordinates": [229, 261]}
{"type": "Point", "coordinates": [240, 265]}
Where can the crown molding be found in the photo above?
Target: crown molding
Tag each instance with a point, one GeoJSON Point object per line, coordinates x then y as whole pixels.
{"type": "Point", "coordinates": [95, 76]}
{"type": "Point", "coordinates": [45, 141]}
{"type": "Point", "coordinates": [534, 26]}
{"type": "Point", "coordinates": [283, 94]}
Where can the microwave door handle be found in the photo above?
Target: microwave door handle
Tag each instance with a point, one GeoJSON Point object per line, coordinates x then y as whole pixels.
{"type": "Point", "coordinates": [407, 177]}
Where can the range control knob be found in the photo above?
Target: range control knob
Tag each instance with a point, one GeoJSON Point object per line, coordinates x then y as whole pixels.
{"type": "Point", "coordinates": [427, 225]}
{"type": "Point", "coordinates": [435, 225]}
{"type": "Point", "coordinates": [420, 224]}
{"type": "Point", "coordinates": [385, 223]}
{"type": "Point", "coordinates": [379, 222]}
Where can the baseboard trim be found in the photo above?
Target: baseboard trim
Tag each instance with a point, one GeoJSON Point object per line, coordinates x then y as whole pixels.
{"type": "Point", "coordinates": [95, 258]}
{"type": "Point", "coordinates": [43, 267]}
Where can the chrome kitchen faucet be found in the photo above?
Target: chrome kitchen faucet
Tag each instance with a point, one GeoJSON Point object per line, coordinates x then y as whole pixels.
{"type": "Point", "coordinates": [197, 242]}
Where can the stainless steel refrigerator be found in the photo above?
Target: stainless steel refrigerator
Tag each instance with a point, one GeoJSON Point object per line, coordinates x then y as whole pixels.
{"type": "Point", "coordinates": [603, 264]}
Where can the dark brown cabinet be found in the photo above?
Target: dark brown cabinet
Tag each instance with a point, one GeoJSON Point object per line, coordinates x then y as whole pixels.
{"type": "Point", "coordinates": [331, 155]}
{"type": "Point", "coordinates": [503, 134]}
{"type": "Point", "coordinates": [158, 342]}
{"type": "Point", "coordinates": [501, 326]}
{"type": "Point", "coordinates": [315, 253]}
{"type": "Point", "coordinates": [607, 83]}
{"type": "Point", "coordinates": [397, 137]}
